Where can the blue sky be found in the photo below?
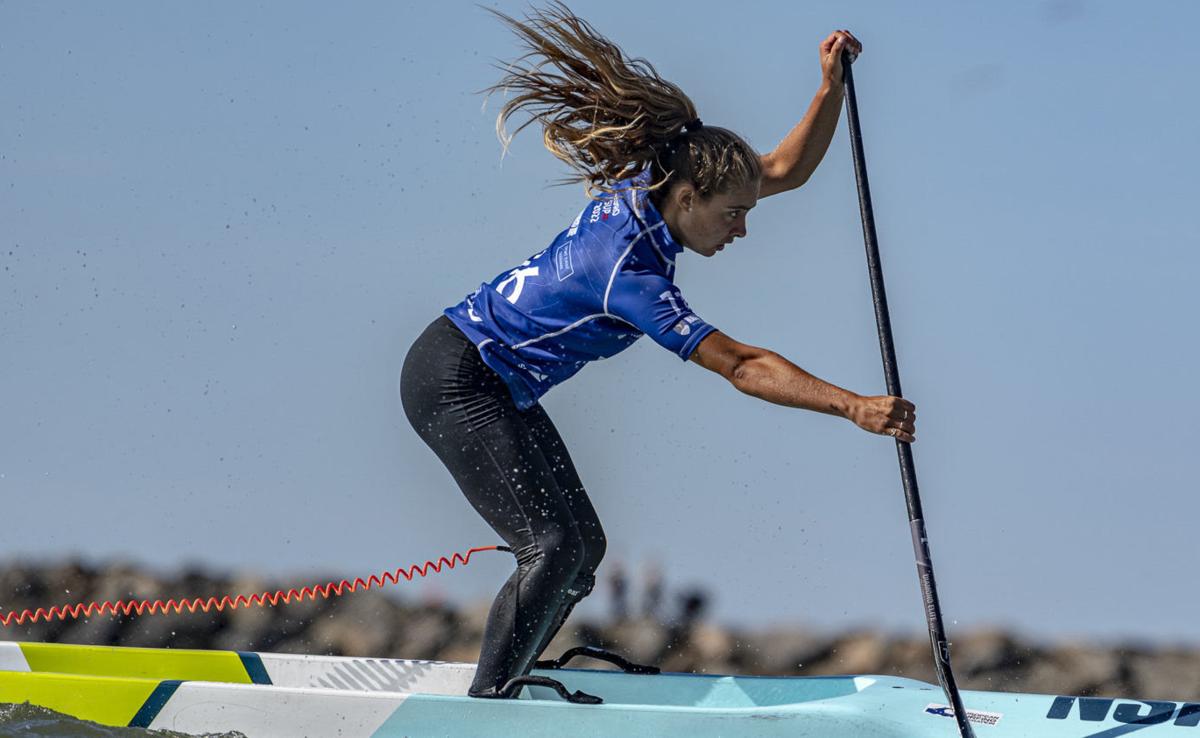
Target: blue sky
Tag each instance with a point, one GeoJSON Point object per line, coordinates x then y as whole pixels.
{"type": "Point", "coordinates": [224, 223]}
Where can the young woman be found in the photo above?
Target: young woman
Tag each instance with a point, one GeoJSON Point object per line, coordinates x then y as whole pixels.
{"type": "Point", "coordinates": [662, 182]}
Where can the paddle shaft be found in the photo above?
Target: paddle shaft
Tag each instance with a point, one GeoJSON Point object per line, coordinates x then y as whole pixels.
{"type": "Point", "coordinates": [908, 471]}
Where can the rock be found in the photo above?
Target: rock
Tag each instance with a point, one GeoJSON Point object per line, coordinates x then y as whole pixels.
{"type": "Point", "coordinates": [712, 647]}
{"type": "Point", "coordinates": [779, 651]}
{"type": "Point", "coordinates": [360, 624]}
{"type": "Point", "coordinates": [117, 585]}
{"type": "Point", "coordinates": [1074, 670]}
{"type": "Point", "coordinates": [986, 651]}
{"type": "Point", "coordinates": [856, 653]}
{"type": "Point", "coordinates": [911, 658]}
{"type": "Point", "coordinates": [642, 641]}
{"type": "Point", "coordinates": [247, 627]}
{"type": "Point", "coordinates": [1170, 674]}
{"type": "Point", "coordinates": [424, 634]}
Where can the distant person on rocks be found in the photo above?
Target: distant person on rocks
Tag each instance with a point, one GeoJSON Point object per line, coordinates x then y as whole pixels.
{"type": "Point", "coordinates": [693, 603]}
{"type": "Point", "coordinates": [663, 183]}
{"type": "Point", "coordinates": [619, 584]}
{"type": "Point", "coordinates": [653, 595]}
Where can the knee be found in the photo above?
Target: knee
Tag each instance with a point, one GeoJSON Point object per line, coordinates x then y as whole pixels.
{"type": "Point", "coordinates": [594, 547]}
{"type": "Point", "coordinates": [562, 553]}
{"type": "Point", "coordinates": [593, 552]}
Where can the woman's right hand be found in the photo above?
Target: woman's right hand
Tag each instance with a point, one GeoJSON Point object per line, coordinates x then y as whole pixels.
{"type": "Point", "coordinates": [885, 415]}
{"type": "Point", "coordinates": [831, 54]}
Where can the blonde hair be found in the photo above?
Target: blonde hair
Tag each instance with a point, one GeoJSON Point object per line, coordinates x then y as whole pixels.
{"type": "Point", "coordinates": [608, 116]}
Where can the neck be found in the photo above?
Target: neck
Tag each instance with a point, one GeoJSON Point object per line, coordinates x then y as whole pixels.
{"type": "Point", "coordinates": [670, 214]}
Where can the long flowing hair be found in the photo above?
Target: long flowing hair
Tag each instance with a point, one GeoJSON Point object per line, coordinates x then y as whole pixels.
{"type": "Point", "coordinates": [609, 116]}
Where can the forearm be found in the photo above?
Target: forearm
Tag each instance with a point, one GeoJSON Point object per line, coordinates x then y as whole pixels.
{"type": "Point", "coordinates": [769, 376]}
{"type": "Point", "coordinates": [798, 154]}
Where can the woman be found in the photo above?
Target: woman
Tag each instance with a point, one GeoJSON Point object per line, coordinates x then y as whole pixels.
{"type": "Point", "coordinates": [662, 182]}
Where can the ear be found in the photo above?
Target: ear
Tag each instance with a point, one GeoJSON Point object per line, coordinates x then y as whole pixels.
{"type": "Point", "coordinates": [685, 197]}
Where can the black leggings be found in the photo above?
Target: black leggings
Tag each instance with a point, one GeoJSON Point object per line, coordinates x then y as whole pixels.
{"type": "Point", "coordinates": [514, 469]}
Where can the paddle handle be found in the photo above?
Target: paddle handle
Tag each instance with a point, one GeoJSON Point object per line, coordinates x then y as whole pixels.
{"type": "Point", "coordinates": [908, 471]}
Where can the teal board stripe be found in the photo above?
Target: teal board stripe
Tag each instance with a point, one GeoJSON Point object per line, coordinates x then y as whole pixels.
{"type": "Point", "coordinates": [254, 667]}
{"type": "Point", "coordinates": [154, 703]}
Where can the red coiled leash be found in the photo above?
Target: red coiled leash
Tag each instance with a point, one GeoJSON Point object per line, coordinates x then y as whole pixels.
{"type": "Point", "coordinates": [261, 599]}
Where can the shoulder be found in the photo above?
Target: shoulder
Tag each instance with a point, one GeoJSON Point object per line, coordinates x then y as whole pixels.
{"type": "Point", "coordinates": [610, 222]}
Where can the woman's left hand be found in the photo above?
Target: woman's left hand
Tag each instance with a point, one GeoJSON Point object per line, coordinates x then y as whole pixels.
{"type": "Point", "coordinates": [831, 54]}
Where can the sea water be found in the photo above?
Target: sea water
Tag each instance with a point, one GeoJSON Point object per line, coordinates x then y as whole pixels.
{"type": "Point", "coordinates": [26, 720]}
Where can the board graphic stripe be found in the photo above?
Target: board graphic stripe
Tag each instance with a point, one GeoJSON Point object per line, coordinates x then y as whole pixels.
{"type": "Point", "coordinates": [154, 703]}
{"type": "Point", "coordinates": [254, 667]}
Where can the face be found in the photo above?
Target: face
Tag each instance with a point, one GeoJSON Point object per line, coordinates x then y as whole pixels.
{"type": "Point", "coordinates": [708, 225]}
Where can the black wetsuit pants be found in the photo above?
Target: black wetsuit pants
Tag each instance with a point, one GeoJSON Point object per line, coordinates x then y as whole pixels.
{"type": "Point", "coordinates": [514, 469]}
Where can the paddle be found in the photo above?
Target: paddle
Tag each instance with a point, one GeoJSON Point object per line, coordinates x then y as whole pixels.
{"type": "Point", "coordinates": [908, 471]}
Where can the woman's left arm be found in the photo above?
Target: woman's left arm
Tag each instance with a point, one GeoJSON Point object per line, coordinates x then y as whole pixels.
{"type": "Point", "coordinates": [794, 159]}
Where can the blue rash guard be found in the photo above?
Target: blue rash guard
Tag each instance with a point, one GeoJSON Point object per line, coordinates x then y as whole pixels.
{"type": "Point", "coordinates": [600, 285]}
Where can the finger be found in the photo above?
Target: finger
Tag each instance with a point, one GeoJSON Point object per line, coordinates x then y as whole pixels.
{"type": "Point", "coordinates": [905, 425]}
{"type": "Point", "coordinates": [900, 435]}
{"type": "Point", "coordinates": [840, 49]}
{"type": "Point", "coordinates": [848, 44]}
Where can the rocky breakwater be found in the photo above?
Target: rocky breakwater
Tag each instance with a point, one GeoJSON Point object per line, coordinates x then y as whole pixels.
{"type": "Point", "coordinates": [376, 623]}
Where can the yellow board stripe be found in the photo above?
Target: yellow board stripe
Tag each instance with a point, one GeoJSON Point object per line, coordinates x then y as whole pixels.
{"type": "Point", "coordinates": [142, 663]}
{"type": "Point", "coordinates": [108, 700]}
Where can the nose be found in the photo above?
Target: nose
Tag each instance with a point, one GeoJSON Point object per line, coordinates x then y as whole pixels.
{"type": "Point", "coordinates": [739, 228]}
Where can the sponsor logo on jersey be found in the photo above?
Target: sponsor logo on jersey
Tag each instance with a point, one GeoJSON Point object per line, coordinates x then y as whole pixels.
{"type": "Point", "coordinates": [517, 278]}
{"type": "Point", "coordinates": [604, 210]}
{"type": "Point", "coordinates": [562, 261]}
{"type": "Point", "coordinates": [669, 296]}
{"type": "Point", "coordinates": [978, 717]}
{"type": "Point", "coordinates": [684, 327]}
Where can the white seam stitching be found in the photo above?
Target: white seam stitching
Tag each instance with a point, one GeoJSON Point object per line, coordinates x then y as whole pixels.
{"type": "Point", "coordinates": [558, 332]}
{"type": "Point", "coordinates": [616, 267]}
{"type": "Point", "coordinates": [662, 255]}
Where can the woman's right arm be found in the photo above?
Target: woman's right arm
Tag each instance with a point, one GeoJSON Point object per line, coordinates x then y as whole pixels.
{"type": "Point", "coordinates": [768, 376]}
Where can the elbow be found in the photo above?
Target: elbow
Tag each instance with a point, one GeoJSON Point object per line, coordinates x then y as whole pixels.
{"type": "Point", "coordinates": [800, 179]}
{"type": "Point", "coordinates": [773, 185]}
{"type": "Point", "coordinates": [747, 371]}
{"type": "Point", "coordinates": [796, 178]}
{"type": "Point", "coordinates": [739, 372]}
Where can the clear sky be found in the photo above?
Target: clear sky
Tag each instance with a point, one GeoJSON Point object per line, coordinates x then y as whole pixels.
{"type": "Point", "coordinates": [222, 225]}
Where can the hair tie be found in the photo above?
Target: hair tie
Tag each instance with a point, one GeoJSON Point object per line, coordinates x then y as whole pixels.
{"type": "Point", "coordinates": [691, 126]}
